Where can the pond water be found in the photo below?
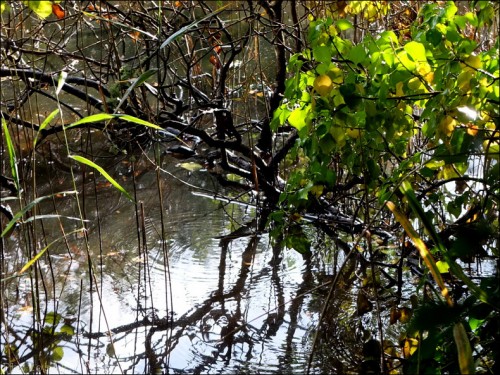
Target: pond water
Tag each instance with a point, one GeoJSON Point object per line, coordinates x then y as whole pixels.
{"type": "Point", "coordinates": [176, 297]}
{"type": "Point", "coordinates": [157, 286]}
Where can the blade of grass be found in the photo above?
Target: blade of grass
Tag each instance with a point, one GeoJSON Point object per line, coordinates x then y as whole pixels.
{"type": "Point", "coordinates": [28, 207]}
{"type": "Point", "coordinates": [41, 252]}
{"type": "Point", "coordinates": [90, 163]}
{"type": "Point", "coordinates": [465, 360]}
{"type": "Point", "coordinates": [455, 268]}
{"type": "Point", "coordinates": [12, 155]}
{"type": "Point", "coordinates": [60, 82]}
{"type": "Point", "coordinates": [106, 116]}
{"type": "Point", "coordinates": [44, 124]}
{"type": "Point", "coordinates": [92, 118]}
{"type": "Point", "coordinates": [139, 121]}
{"type": "Point", "coordinates": [137, 82]}
{"type": "Point", "coordinates": [422, 249]}
{"type": "Point", "coordinates": [186, 28]}
{"type": "Point", "coordinates": [43, 217]}
{"type": "Point", "coordinates": [121, 25]}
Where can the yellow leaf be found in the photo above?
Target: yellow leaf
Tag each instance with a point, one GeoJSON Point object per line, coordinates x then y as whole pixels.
{"type": "Point", "coordinates": [399, 89]}
{"type": "Point", "coordinates": [464, 350]}
{"type": "Point", "coordinates": [447, 125]}
{"type": "Point", "coordinates": [323, 85]}
{"type": "Point", "coordinates": [474, 61]}
{"type": "Point", "coordinates": [409, 347]}
{"type": "Point", "coordinates": [442, 266]}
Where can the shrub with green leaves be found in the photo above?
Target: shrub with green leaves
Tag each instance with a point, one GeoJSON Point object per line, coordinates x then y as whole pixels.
{"type": "Point", "coordinates": [422, 106]}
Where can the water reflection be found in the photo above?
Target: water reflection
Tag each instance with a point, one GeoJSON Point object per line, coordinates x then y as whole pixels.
{"type": "Point", "coordinates": [176, 297]}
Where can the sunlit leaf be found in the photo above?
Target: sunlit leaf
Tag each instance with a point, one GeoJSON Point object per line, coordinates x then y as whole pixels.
{"type": "Point", "coordinates": [61, 81]}
{"type": "Point", "coordinates": [45, 123]}
{"type": "Point", "coordinates": [405, 63]}
{"type": "Point", "coordinates": [190, 166]}
{"type": "Point", "coordinates": [410, 345]}
{"type": "Point", "coordinates": [442, 266]}
{"type": "Point", "coordinates": [136, 83]}
{"type": "Point", "coordinates": [192, 25]}
{"type": "Point", "coordinates": [92, 118]}
{"type": "Point", "coordinates": [41, 252]}
{"type": "Point", "coordinates": [43, 8]}
{"type": "Point", "coordinates": [138, 121]}
{"type": "Point", "coordinates": [90, 163]}
{"type": "Point", "coordinates": [344, 24]}
{"type": "Point", "coordinates": [12, 155]}
{"type": "Point", "coordinates": [298, 118]}
{"type": "Point", "coordinates": [57, 354]}
{"type": "Point", "coordinates": [465, 360]}
{"type": "Point", "coordinates": [3, 6]}
{"type": "Point", "coordinates": [106, 116]}
{"type": "Point", "coordinates": [416, 51]}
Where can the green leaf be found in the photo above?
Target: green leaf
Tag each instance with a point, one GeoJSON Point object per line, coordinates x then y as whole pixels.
{"type": "Point", "coordinates": [12, 155]}
{"type": "Point", "coordinates": [443, 267]}
{"type": "Point", "coordinates": [344, 24]}
{"type": "Point", "coordinates": [92, 118]}
{"type": "Point", "coordinates": [43, 8]}
{"type": "Point", "coordinates": [57, 354]}
{"type": "Point", "coordinates": [405, 62]}
{"type": "Point", "coordinates": [28, 207]}
{"type": "Point", "coordinates": [298, 117]}
{"type": "Point", "coordinates": [41, 252]}
{"type": "Point", "coordinates": [434, 37]}
{"type": "Point", "coordinates": [138, 121]}
{"type": "Point", "coordinates": [90, 163]}
{"type": "Point", "coordinates": [110, 350]}
{"type": "Point", "coordinates": [106, 116]}
{"type": "Point", "coordinates": [136, 83]}
{"type": "Point", "coordinates": [416, 51]}
{"type": "Point", "coordinates": [451, 10]}
{"type": "Point", "coordinates": [297, 240]}
{"type": "Point", "coordinates": [190, 166]}
{"type": "Point", "coordinates": [52, 318]}
{"type": "Point", "coordinates": [44, 124]}
{"type": "Point", "coordinates": [3, 6]}
{"type": "Point", "coordinates": [474, 324]}
{"type": "Point", "coordinates": [67, 329]}
{"type": "Point", "coordinates": [465, 360]}
{"type": "Point", "coordinates": [322, 54]}
{"type": "Point", "coordinates": [358, 54]}
{"type": "Point", "coordinates": [192, 25]}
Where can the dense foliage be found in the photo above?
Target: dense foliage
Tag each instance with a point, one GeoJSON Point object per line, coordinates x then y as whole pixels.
{"type": "Point", "coordinates": [409, 115]}
{"type": "Point", "coordinates": [381, 128]}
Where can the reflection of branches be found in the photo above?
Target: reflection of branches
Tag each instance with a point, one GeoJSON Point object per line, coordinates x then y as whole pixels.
{"type": "Point", "coordinates": [235, 331]}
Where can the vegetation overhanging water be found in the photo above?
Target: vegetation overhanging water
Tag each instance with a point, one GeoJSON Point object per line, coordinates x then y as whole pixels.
{"type": "Point", "coordinates": [256, 187]}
